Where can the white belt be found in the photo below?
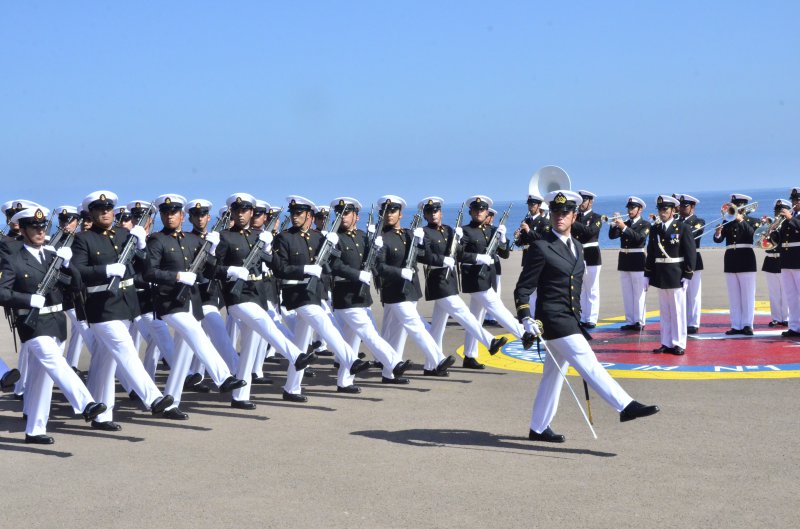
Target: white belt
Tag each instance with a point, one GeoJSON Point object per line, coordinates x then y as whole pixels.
{"type": "Point", "coordinates": [255, 277]}
{"type": "Point", "coordinates": [43, 310]}
{"type": "Point", "coordinates": [103, 288]}
{"type": "Point", "coordinates": [591, 244]}
{"type": "Point", "coordinates": [790, 244]}
{"type": "Point", "coordinates": [739, 246]}
{"type": "Point", "coordinates": [295, 281]}
{"type": "Point", "coordinates": [631, 250]}
{"type": "Point", "coordinates": [669, 260]}
{"type": "Point", "coordinates": [772, 255]}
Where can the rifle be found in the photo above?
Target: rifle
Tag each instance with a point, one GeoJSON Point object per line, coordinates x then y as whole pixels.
{"type": "Point", "coordinates": [55, 241]}
{"type": "Point", "coordinates": [372, 254]}
{"type": "Point", "coordinates": [494, 243]}
{"type": "Point", "coordinates": [51, 278]}
{"type": "Point", "coordinates": [411, 258]}
{"type": "Point", "coordinates": [285, 223]}
{"type": "Point", "coordinates": [202, 256]}
{"type": "Point", "coordinates": [254, 256]}
{"type": "Point", "coordinates": [127, 253]}
{"type": "Point", "coordinates": [325, 253]}
{"type": "Point", "coordinates": [451, 252]}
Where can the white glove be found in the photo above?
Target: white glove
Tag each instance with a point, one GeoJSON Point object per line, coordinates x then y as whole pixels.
{"type": "Point", "coordinates": [449, 262]}
{"type": "Point", "coordinates": [371, 228]}
{"type": "Point", "coordinates": [37, 301]}
{"type": "Point", "coordinates": [141, 237]}
{"type": "Point", "coordinates": [48, 247]}
{"type": "Point", "coordinates": [646, 283]}
{"type": "Point", "coordinates": [684, 283]}
{"type": "Point", "coordinates": [483, 259]}
{"type": "Point", "coordinates": [66, 254]}
{"type": "Point", "coordinates": [265, 237]}
{"type": "Point", "coordinates": [187, 278]}
{"type": "Point", "coordinates": [237, 272]}
{"type": "Point", "coordinates": [365, 277]}
{"type": "Point", "coordinates": [264, 268]}
{"type": "Point", "coordinates": [501, 230]}
{"type": "Point", "coordinates": [312, 270]}
{"type": "Point", "coordinates": [407, 273]}
{"type": "Point", "coordinates": [530, 326]}
{"type": "Point", "coordinates": [378, 242]}
{"type": "Point", "coordinates": [419, 234]}
{"type": "Point", "coordinates": [116, 270]}
{"type": "Point", "coordinates": [213, 238]}
{"type": "Point", "coordinates": [460, 232]}
{"type": "Point", "coordinates": [324, 232]}
{"type": "Point", "coordinates": [333, 237]}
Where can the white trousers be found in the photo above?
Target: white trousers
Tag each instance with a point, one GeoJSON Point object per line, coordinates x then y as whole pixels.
{"type": "Point", "coordinates": [694, 302]}
{"type": "Point", "coordinates": [214, 326]}
{"type": "Point", "coordinates": [161, 344]}
{"type": "Point", "coordinates": [488, 301]}
{"type": "Point", "coordinates": [22, 367]}
{"type": "Point", "coordinates": [76, 338]}
{"type": "Point", "coordinates": [315, 318]}
{"type": "Point", "coordinates": [46, 365]}
{"type": "Point", "coordinates": [357, 325]}
{"type": "Point", "coordinates": [401, 320]}
{"type": "Point", "coordinates": [778, 303]}
{"type": "Point", "coordinates": [790, 280]}
{"type": "Point", "coordinates": [188, 328]}
{"type": "Point", "coordinates": [672, 307]}
{"type": "Point", "coordinates": [590, 295]}
{"type": "Point", "coordinates": [263, 347]}
{"type": "Point", "coordinates": [633, 297]}
{"type": "Point", "coordinates": [573, 350]}
{"type": "Point", "coordinates": [254, 317]}
{"type": "Point", "coordinates": [115, 350]}
{"type": "Point", "coordinates": [742, 298]}
{"type": "Point", "coordinates": [454, 306]}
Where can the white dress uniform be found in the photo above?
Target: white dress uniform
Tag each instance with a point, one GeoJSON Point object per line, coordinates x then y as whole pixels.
{"type": "Point", "coordinates": [587, 230]}
{"type": "Point", "coordinates": [778, 301]}
{"type": "Point", "coordinates": [789, 240]}
{"type": "Point", "coordinates": [631, 263]}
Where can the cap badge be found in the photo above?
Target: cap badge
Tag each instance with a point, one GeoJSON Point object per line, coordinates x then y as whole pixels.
{"type": "Point", "coordinates": [167, 201]}
{"type": "Point", "coordinates": [102, 196]}
{"type": "Point", "coordinates": [560, 199]}
{"type": "Point", "coordinates": [197, 205]}
{"type": "Point", "coordinates": [39, 215]}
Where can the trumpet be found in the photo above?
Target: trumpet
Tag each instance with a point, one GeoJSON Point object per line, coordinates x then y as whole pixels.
{"type": "Point", "coordinates": [614, 218]}
{"type": "Point", "coordinates": [761, 236]}
{"type": "Point", "coordinates": [729, 212]}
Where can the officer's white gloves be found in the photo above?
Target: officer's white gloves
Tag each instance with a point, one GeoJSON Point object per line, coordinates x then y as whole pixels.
{"type": "Point", "coordinates": [531, 326]}
{"type": "Point", "coordinates": [213, 238]}
{"type": "Point", "coordinates": [237, 272]}
{"type": "Point", "coordinates": [419, 235]}
{"type": "Point", "coordinates": [187, 278]}
{"type": "Point", "coordinates": [333, 238]}
{"type": "Point", "coordinates": [66, 255]}
{"type": "Point", "coordinates": [460, 232]}
{"type": "Point", "coordinates": [115, 270]}
{"type": "Point", "coordinates": [483, 259]}
{"type": "Point", "coordinates": [365, 277]}
{"type": "Point", "coordinates": [37, 301]}
{"type": "Point", "coordinates": [371, 228]}
{"type": "Point", "coordinates": [312, 270]}
{"type": "Point", "coordinates": [501, 233]}
{"type": "Point", "coordinates": [407, 273]}
{"type": "Point", "coordinates": [378, 242]}
{"type": "Point", "coordinates": [449, 262]}
{"type": "Point", "coordinates": [141, 237]}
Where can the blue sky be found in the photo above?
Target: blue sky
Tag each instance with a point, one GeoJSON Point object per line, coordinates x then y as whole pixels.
{"type": "Point", "coordinates": [411, 98]}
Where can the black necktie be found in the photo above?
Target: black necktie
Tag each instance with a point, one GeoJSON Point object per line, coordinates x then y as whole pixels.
{"type": "Point", "coordinates": [41, 257]}
{"type": "Point", "coordinates": [569, 247]}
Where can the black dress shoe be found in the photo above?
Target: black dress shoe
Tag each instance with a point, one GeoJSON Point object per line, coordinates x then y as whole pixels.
{"type": "Point", "coordinates": [446, 363]}
{"type": "Point", "coordinates": [377, 365]}
{"type": "Point", "coordinates": [528, 339]}
{"type": "Point", "coordinates": [324, 352]}
{"type": "Point", "coordinates": [663, 349]}
{"type": "Point", "coordinates": [396, 380]}
{"type": "Point", "coordinates": [92, 410]}
{"type": "Point", "coordinates": [401, 368]}
{"type": "Point", "coordinates": [9, 379]}
{"type": "Point", "coordinates": [38, 439]}
{"type": "Point", "coordinates": [678, 351]}
{"type": "Point", "coordinates": [784, 324]}
{"type": "Point", "coordinates": [588, 325]}
{"type": "Point", "coordinates": [202, 387]}
{"type": "Point", "coordinates": [547, 436]}
{"type": "Point", "coordinates": [134, 397]}
{"type": "Point", "coordinates": [242, 404]}
{"type": "Point", "coordinates": [260, 380]}
{"type": "Point", "coordinates": [359, 366]}
{"type": "Point", "coordinates": [108, 426]}
{"type": "Point", "coordinates": [497, 344]}
{"type": "Point", "coordinates": [790, 334]}
{"type": "Point", "coordinates": [361, 355]}
{"type": "Point", "coordinates": [733, 332]}
{"type": "Point", "coordinates": [191, 380]}
{"type": "Point", "coordinates": [692, 330]}
{"type": "Point", "coordinates": [348, 389]}
{"type": "Point", "coordinates": [304, 359]}
{"type": "Point", "coordinates": [160, 404]}
{"type": "Point", "coordinates": [632, 327]}
{"type": "Point", "coordinates": [747, 331]}
{"type": "Point", "coordinates": [336, 365]}
{"type": "Point", "coordinates": [313, 346]}
{"type": "Point", "coordinates": [634, 410]}
{"type": "Point", "coordinates": [774, 323]}
{"type": "Point", "coordinates": [435, 373]}
{"type": "Point", "coordinates": [231, 383]}
{"type": "Point", "coordinates": [175, 414]}
{"type": "Point", "coordinates": [472, 363]}
{"type": "Point", "coordinates": [292, 397]}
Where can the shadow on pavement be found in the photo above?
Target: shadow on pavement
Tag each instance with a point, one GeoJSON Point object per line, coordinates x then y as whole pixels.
{"type": "Point", "coordinates": [472, 440]}
{"type": "Point", "coordinates": [11, 444]}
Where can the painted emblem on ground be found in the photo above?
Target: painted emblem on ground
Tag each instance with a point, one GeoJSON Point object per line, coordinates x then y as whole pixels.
{"type": "Point", "coordinates": [709, 354]}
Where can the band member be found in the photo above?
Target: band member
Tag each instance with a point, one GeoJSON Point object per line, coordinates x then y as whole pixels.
{"type": "Point", "coordinates": [632, 234]}
{"type": "Point", "coordinates": [441, 285]}
{"type": "Point", "coordinates": [302, 289]}
{"type": "Point", "coordinates": [108, 312]}
{"type": "Point", "coordinates": [400, 288]}
{"type": "Point", "coordinates": [778, 301]}
{"type": "Point", "coordinates": [534, 226]}
{"type": "Point", "coordinates": [170, 253]}
{"type": "Point", "coordinates": [789, 238]}
{"type": "Point", "coordinates": [351, 294]}
{"type": "Point", "coordinates": [21, 272]}
{"type": "Point", "coordinates": [739, 265]}
{"type": "Point", "coordinates": [587, 230]}
{"type": "Point", "coordinates": [554, 265]}
{"type": "Point", "coordinates": [478, 275]}
{"type": "Point", "coordinates": [694, 291]}
{"type": "Point", "coordinates": [671, 258]}
{"type": "Point", "coordinates": [247, 306]}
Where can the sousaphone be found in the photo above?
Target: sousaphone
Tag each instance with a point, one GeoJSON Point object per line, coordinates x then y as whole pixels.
{"type": "Point", "coordinates": [548, 178]}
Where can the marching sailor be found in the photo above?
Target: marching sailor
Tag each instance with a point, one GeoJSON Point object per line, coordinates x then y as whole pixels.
{"type": "Point", "coordinates": [694, 291]}
{"type": "Point", "coordinates": [587, 230]}
{"type": "Point", "coordinates": [778, 301]}
{"type": "Point", "coordinates": [632, 234]}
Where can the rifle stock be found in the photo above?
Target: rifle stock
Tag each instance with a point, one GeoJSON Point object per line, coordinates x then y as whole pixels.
{"type": "Point", "coordinates": [48, 282]}
{"type": "Point", "coordinates": [494, 244]}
